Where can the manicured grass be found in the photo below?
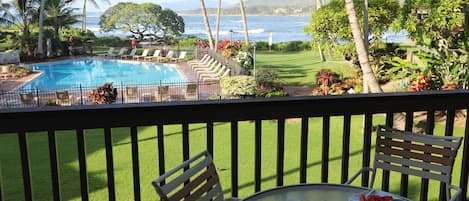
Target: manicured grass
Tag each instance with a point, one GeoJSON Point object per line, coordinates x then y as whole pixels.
{"type": "Point", "coordinates": [300, 68]}
{"type": "Point", "coordinates": [148, 157]}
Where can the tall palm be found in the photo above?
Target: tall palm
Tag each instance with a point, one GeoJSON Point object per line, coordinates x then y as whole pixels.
{"type": "Point", "coordinates": [362, 52]}
{"type": "Point", "coordinates": [40, 40]}
{"type": "Point", "coordinates": [217, 27]}
{"type": "Point", "coordinates": [5, 16]}
{"type": "Point", "coordinates": [245, 24]}
{"type": "Point", "coordinates": [58, 15]}
{"type": "Point", "coordinates": [83, 17]}
{"type": "Point", "coordinates": [25, 12]}
{"type": "Point", "coordinates": [207, 24]}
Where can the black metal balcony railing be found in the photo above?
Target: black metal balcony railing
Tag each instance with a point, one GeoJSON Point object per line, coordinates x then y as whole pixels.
{"type": "Point", "coordinates": [51, 119]}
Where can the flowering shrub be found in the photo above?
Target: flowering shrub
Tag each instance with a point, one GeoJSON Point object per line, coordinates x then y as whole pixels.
{"type": "Point", "coordinates": [422, 83]}
{"type": "Point", "coordinates": [229, 49]}
{"type": "Point", "coordinates": [105, 94]}
{"type": "Point", "coordinates": [245, 59]}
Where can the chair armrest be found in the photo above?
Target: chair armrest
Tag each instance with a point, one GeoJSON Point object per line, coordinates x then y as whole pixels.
{"type": "Point", "coordinates": [456, 195]}
{"type": "Point", "coordinates": [364, 169]}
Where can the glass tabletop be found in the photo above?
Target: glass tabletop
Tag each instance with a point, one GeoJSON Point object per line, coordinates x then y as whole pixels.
{"type": "Point", "coordinates": [315, 192]}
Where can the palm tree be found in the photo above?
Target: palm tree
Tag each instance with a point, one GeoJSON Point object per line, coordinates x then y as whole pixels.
{"type": "Point", "coordinates": [207, 25]}
{"type": "Point", "coordinates": [83, 17]}
{"type": "Point", "coordinates": [5, 16]}
{"type": "Point", "coordinates": [59, 15]}
{"type": "Point", "coordinates": [245, 24]}
{"type": "Point", "coordinates": [217, 29]}
{"type": "Point", "coordinates": [25, 8]}
{"type": "Point", "coordinates": [40, 40]}
{"type": "Point", "coordinates": [362, 52]}
{"type": "Point", "coordinates": [321, 53]}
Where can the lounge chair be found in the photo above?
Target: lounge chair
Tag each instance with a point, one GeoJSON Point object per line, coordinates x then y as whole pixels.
{"type": "Point", "coordinates": [191, 92]}
{"type": "Point", "coordinates": [182, 57]}
{"type": "Point", "coordinates": [28, 98]}
{"type": "Point", "coordinates": [144, 54]}
{"type": "Point", "coordinates": [155, 55]}
{"type": "Point", "coordinates": [166, 58]}
{"type": "Point", "coordinates": [131, 95]}
{"type": "Point", "coordinates": [205, 65]}
{"type": "Point", "coordinates": [163, 93]}
{"type": "Point", "coordinates": [198, 61]}
{"type": "Point", "coordinates": [121, 52]}
{"type": "Point", "coordinates": [109, 52]}
{"type": "Point", "coordinates": [202, 63]}
{"type": "Point", "coordinates": [210, 72]}
{"type": "Point", "coordinates": [216, 78]}
{"type": "Point", "coordinates": [130, 55]}
{"type": "Point", "coordinates": [212, 69]}
{"type": "Point", "coordinates": [63, 98]}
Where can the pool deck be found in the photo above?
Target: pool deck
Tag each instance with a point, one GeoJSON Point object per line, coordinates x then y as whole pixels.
{"type": "Point", "coordinates": [10, 84]}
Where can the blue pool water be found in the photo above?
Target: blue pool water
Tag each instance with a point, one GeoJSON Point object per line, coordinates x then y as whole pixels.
{"type": "Point", "coordinates": [92, 72]}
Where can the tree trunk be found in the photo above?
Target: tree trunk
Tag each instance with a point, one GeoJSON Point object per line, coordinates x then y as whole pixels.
{"type": "Point", "coordinates": [40, 40]}
{"type": "Point", "coordinates": [361, 50]}
{"type": "Point", "coordinates": [83, 18]}
{"type": "Point", "coordinates": [321, 52]}
{"type": "Point", "coordinates": [207, 24]}
{"type": "Point", "coordinates": [245, 24]}
{"type": "Point", "coordinates": [217, 27]}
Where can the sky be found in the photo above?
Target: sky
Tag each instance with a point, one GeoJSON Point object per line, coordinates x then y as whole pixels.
{"type": "Point", "coordinates": [172, 4]}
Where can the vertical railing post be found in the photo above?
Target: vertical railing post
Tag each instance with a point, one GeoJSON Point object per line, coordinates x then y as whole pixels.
{"type": "Point", "coordinates": [465, 165]}
{"type": "Point", "coordinates": [81, 94]}
{"type": "Point", "coordinates": [37, 97]}
{"type": "Point", "coordinates": [122, 92]}
{"type": "Point", "coordinates": [1, 183]}
{"type": "Point", "coordinates": [54, 167]}
{"type": "Point", "coordinates": [81, 144]}
{"type": "Point", "coordinates": [25, 165]}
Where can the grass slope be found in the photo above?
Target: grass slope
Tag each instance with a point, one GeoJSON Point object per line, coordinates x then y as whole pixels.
{"type": "Point", "coordinates": [299, 68]}
{"type": "Point", "coordinates": [148, 157]}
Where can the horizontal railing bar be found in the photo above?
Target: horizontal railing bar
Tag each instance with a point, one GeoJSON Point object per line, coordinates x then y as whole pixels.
{"type": "Point", "coordinates": [40, 119]}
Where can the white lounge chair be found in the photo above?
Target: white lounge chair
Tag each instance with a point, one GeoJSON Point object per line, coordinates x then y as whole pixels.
{"type": "Point", "coordinates": [182, 57]}
{"type": "Point", "coordinates": [144, 54]}
{"type": "Point", "coordinates": [109, 52]}
{"type": "Point", "coordinates": [167, 57]}
{"type": "Point", "coordinates": [155, 55]}
{"type": "Point", "coordinates": [121, 52]}
{"type": "Point", "coordinates": [198, 61]}
{"type": "Point", "coordinates": [130, 55]}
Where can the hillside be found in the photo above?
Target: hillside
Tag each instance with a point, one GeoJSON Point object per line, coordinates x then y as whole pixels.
{"type": "Point", "coordinates": [262, 7]}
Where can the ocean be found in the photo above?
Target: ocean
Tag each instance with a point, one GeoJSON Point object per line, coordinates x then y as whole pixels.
{"type": "Point", "coordinates": [283, 28]}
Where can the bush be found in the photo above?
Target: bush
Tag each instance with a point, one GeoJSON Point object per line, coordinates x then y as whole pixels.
{"type": "Point", "coordinates": [292, 46]}
{"type": "Point", "coordinates": [265, 76]}
{"type": "Point", "coordinates": [187, 42]}
{"type": "Point", "coordinates": [111, 41]}
{"type": "Point", "coordinates": [238, 85]}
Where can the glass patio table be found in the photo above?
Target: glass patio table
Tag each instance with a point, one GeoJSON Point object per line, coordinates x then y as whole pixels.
{"type": "Point", "coordinates": [317, 192]}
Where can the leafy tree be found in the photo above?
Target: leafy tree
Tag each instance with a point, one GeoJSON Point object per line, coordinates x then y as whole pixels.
{"type": "Point", "coordinates": [437, 27]}
{"type": "Point", "coordinates": [329, 24]}
{"type": "Point", "coordinates": [142, 19]}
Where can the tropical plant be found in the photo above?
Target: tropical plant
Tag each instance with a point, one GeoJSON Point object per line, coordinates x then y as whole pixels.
{"type": "Point", "coordinates": [83, 19]}
{"type": "Point", "coordinates": [240, 85]}
{"type": "Point", "coordinates": [105, 94]}
{"type": "Point", "coordinates": [245, 59]}
{"type": "Point", "coordinates": [25, 11]}
{"type": "Point", "coordinates": [6, 17]}
{"type": "Point", "coordinates": [59, 14]}
{"type": "Point", "coordinates": [266, 77]}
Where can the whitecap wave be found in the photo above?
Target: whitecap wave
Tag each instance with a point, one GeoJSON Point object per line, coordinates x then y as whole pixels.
{"type": "Point", "coordinates": [256, 31]}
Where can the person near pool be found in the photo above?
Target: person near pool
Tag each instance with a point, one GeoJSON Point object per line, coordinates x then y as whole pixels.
{"type": "Point", "coordinates": [133, 41]}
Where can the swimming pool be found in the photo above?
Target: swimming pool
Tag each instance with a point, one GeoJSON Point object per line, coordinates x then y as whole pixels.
{"type": "Point", "coordinates": [92, 72]}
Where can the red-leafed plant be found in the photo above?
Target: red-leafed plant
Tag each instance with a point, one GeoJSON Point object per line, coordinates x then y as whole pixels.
{"type": "Point", "coordinates": [105, 94]}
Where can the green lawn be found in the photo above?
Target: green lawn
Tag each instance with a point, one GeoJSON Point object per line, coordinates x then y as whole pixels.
{"type": "Point", "coordinates": [148, 157]}
{"type": "Point", "coordinates": [299, 68]}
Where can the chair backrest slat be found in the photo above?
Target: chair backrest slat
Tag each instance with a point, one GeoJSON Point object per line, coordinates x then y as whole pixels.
{"type": "Point", "coordinates": [414, 155]}
{"type": "Point", "coordinates": [409, 171]}
{"type": "Point", "coordinates": [412, 163]}
{"type": "Point", "coordinates": [446, 141]}
{"type": "Point", "coordinates": [209, 174]}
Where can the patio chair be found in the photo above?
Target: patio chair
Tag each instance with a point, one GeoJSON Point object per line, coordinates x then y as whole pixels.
{"type": "Point", "coordinates": [63, 98]}
{"type": "Point", "coordinates": [191, 92]}
{"type": "Point", "coordinates": [213, 69]}
{"type": "Point", "coordinates": [121, 52]}
{"type": "Point", "coordinates": [27, 98]}
{"type": "Point", "coordinates": [144, 54]}
{"type": "Point", "coordinates": [220, 74]}
{"type": "Point", "coordinates": [131, 94]}
{"type": "Point", "coordinates": [155, 55]}
{"type": "Point", "coordinates": [109, 52]}
{"type": "Point", "coordinates": [166, 58]}
{"type": "Point", "coordinates": [425, 156]}
{"type": "Point", "coordinates": [198, 61]}
{"type": "Point", "coordinates": [163, 93]}
{"type": "Point", "coordinates": [182, 57]}
{"type": "Point", "coordinates": [203, 64]}
{"type": "Point", "coordinates": [194, 179]}
{"type": "Point", "coordinates": [130, 55]}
